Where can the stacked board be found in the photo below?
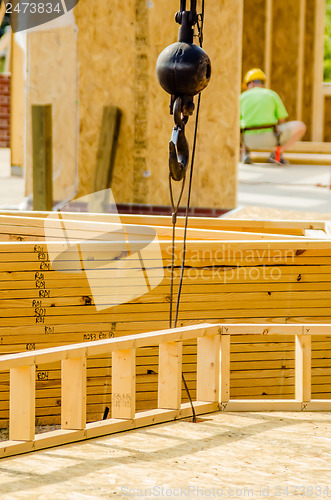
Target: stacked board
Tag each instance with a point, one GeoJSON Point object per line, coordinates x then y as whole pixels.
{"type": "Point", "coordinates": [63, 280]}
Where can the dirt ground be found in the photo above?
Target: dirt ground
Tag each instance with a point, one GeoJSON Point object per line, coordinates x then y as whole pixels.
{"type": "Point", "coordinates": [224, 455]}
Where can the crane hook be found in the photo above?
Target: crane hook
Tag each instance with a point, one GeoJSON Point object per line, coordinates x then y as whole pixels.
{"type": "Point", "coordinates": [178, 145]}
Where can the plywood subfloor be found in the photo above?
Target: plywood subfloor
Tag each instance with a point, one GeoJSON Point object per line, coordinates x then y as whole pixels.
{"type": "Point", "coordinates": [254, 212]}
{"type": "Point", "coordinates": [295, 188]}
{"type": "Point", "coordinates": [245, 455]}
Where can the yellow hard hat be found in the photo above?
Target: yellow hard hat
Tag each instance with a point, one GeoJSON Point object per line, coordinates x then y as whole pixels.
{"type": "Point", "coordinates": [254, 74]}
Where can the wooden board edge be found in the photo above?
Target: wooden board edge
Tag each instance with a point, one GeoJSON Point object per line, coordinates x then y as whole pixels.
{"type": "Point", "coordinates": [96, 429]}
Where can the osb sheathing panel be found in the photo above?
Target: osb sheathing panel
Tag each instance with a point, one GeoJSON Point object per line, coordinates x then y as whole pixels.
{"type": "Point", "coordinates": [115, 43]}
{"type": "Point", "coordinates": [52, 79]}
{"type": "Point", "coordinates": [219, 135]}
{"type": "Point", "coordinates": [308, 74]}
{"type": "Point", "coordinates": [106, 77]}
{"type": "Point", "coordinates": [253, 47]}
{"type": "Point", "coordinates": [285, 51]}
{"type": "Point", "coordinates": [327, 119]}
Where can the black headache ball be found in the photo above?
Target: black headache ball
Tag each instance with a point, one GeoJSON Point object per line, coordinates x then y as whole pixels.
{"type": "Point", "coordinates": [183, 69]}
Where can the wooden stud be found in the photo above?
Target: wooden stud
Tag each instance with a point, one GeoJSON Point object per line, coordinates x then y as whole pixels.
{"type": "Point", "coordinates": [73, 393]}
{"type": "Point", "coordinates": [170, 375]}
{"type": "Point", "coordinates": [2, 11]}
{"type": "Point", "coordinates": [225, 369]}
{"type": "Point", "coordinates": [301, 58]}
{"type": "Point", "coordinates": [268, 40]}
{"type": "Point", "coordinates": [303, 368]}
{"type": "Point", "coordinates": [42, 157]}
{"type": "Point", "coordinates": [124, 384]}
{"type": "Point", "coordinates": [17, 103]}
{"type": "Point", "coordinates": [102, 428]}
{"type": "Point", "coordinates": [109, 133]}
{"type": "Point", "coordinates": [208, 368]}
{"type": "Point", "coordinates": [318, 98]}
{"type": "Point", "coordinates": [22, 403]}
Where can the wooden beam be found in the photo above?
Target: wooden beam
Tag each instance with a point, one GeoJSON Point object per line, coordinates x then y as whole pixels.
{"type": "Point", "coordinates": [268, 40]}
{"type": "Point", "coordinates": [42, 157]}
{"type": "Point", "coordinates": [263, 329]}
{"type": "Point", "coordinates": [73, 393]}
{"type": "Point", "coordinates": [124, 384]}
{"type": "Point", "coordinates": [318, 99]}
{"type": "Point", "coordinates": [170, 375]}
{"type": "Point", "coordinates": [17, 103]}
{"type": "Point", "coordinates": [208, 368]}
{"type": "Point", "coordinates": [154, 338]}
{"type": "Point", "coordinates": [8, 59]}
{"type": "Point", "coordinates": [5, 41]}
{"type": "Point", "coordinates": [105, 346]}
{"type": "Point", "coordinates": [22, 403]}
{"type": "Point", "coordinates": [301, 58]}
{"type": "Point", "coordinates": [262, 405]}
{"type": "Point", "coordinates": [294, 227]}
{"type": "Point", "coordinates": [317, 405]}
{"type": "Point", "coordinates": [2, 11]}
{"type": "Point", "coordinates": [106, 154]}
{"type": "Point", "coordinates": [224, 395]}
{"type": "Point", "coordinates": [303, 368]}
{"type": "Point", "coordinates": [102, 428]}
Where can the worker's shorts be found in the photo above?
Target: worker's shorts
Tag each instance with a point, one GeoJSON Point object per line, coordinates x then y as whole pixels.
{"type": "Point", "coordinates": [267, 139]}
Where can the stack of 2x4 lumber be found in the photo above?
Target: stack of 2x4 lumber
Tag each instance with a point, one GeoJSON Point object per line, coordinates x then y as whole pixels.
{"type": "Point", "coordinates": [225, 280]}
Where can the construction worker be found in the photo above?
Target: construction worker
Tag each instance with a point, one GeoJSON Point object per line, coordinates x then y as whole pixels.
{"type": "Point", "coordinates": [260, 107]}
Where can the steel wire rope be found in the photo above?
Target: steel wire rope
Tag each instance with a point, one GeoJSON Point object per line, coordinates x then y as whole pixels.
{"type": "Point", "coordinates": [174, 218]}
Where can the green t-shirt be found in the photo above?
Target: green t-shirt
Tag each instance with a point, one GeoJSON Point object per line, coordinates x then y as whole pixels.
{"type": "Point", "coordinates": [260, 106]}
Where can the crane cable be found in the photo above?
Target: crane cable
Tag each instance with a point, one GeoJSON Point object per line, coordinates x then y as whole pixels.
{"type": "Point", "coordinates": [174, 217]}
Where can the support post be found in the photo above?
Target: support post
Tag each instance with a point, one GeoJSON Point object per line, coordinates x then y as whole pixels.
{"type": "Point", "coordinates": [303, 368]}
{"type": "Point", "coordinates": [73, 393]}
{"type": "Point", "coordinates": [208, 368]}
{"type": "Point", "coordinates": [170, 376]}
{"type": "Point", "coordinates": [301, 58]}
{"type": "Point", "coordinates": [22, 403]}
{"type": "Point", "coordinates": [318, 97]}
{"type": "Point", "coordinates": [42, 157]}
{"type": "Point", "coordinates": [225, 369]}
{"type": "Point", "coordinates": [268, 40]}
{"type": "Point", "coordinates": [17, 106]}
{"type": "Point", "coordinates": [103, 174]}
{"type": "Point", "coordinates": [124, 384]}
{"type": "Point", "coordinates": [2, 11]}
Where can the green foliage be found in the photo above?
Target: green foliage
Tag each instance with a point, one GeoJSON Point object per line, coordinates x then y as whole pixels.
{"type": "Point", "coordinates": [327, 43]}
{"type": "Point", "coordinates": [5, 23]}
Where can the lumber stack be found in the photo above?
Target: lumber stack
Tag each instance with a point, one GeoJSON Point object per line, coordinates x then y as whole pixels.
{"type": "Point", "coordinates": [52, 294]}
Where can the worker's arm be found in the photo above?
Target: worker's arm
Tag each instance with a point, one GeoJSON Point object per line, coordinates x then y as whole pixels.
{"type": "Point", "coordinates": [280, 110]}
